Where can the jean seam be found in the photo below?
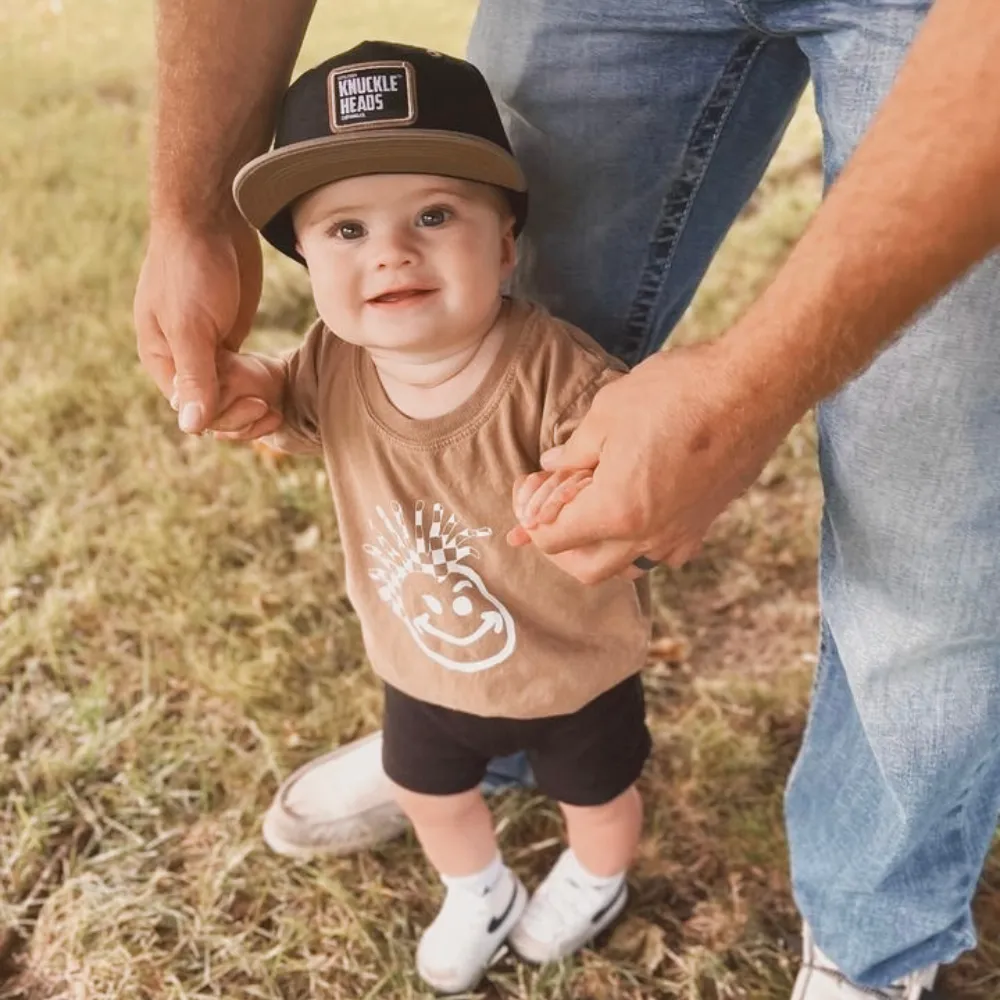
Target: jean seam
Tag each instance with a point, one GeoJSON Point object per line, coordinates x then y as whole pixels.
{"type": "Point", "coordinates": [748, 15]}
{"type": "Point", "coordinates": [818, 675]}
{"type": "Point", "coordinates": [673, 219]}
{"type": "Point", "coordinates": [964, 804]}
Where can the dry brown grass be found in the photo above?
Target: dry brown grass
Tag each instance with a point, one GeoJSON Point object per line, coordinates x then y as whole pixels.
{"type": "Point", "coordinates": [174, 635]}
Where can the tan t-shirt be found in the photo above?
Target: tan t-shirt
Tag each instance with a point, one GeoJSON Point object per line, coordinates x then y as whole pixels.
{"type": "Point", "coordinates": [450, 613]}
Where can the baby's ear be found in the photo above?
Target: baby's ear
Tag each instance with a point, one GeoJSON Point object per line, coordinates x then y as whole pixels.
{"type": "Point", "coordinates": [508, 249]}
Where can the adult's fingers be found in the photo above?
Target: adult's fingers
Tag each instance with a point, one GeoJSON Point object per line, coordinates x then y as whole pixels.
{"type": "Point", "coordinates": [195, 289]}
{"type": "Point", "coordinates": [154, 353]}
{"type": "Point", "coordinates": [581, 451]}
{"type": "Point", "coordinates": [598, 562]}
{"type": "Point", "coordinates": [196, 381]}
{"type": "Point", "coordinates": [250, 265]}
{"type": "Point", "coordinates": [683, 554]}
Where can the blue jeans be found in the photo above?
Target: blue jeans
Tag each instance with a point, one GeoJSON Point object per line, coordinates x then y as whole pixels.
{"type": "Point", "coordinates": [643, 126]}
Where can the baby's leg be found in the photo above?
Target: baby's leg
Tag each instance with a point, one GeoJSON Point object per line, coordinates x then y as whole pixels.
{"type": "Point", "coordinates": [485, 898]}
{"type": "Point", "coordinates": [455, 831]}
{"type": "Point", "coordinates": [604, 838]}
{"type": "Point", "coordinates": [432, 757]}
{"type": "Point", "coordinates": [586, 888]}
{"type": "Point", "coordinates": [589, 762]}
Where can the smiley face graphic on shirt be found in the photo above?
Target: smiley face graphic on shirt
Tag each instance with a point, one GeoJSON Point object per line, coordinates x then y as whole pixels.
{"type": "Point", "coordinates": [446, 607]}
{"type": "Point", "coordinates": [456, 621]}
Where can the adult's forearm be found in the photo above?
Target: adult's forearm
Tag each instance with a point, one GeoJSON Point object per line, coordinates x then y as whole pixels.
{"type": "Point", "coordinates": [222, 68]}
{"type": "Point", "coordinates": [914, 208]}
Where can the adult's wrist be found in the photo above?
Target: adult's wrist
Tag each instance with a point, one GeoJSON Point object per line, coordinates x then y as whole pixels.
{"type": "Point", "coordinates": [760, 391]}
{"type": "Point", "coordinates": [195, 216]}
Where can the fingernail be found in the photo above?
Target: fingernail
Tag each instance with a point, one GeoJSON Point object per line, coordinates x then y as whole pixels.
{"type": "Point", "coordinates": [190, 419]}
{"type": "Point", "coordinates": [174, 401]}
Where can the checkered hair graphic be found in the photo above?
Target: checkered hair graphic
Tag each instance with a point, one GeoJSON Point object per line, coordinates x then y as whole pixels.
{"type": "Point", "coordinates": [435, 550]}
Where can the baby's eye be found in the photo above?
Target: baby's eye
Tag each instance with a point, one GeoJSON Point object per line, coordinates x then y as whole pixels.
{"type": "Point", "coordinates": [348, 230]}
{"type": "Point", "coordinates": [431, 217]}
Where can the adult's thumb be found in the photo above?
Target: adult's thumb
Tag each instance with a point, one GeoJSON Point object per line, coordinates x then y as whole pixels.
{"type": "Point", "coordinates": [196, 385]}
{"type": "Point", "coordinates": [581, 451]}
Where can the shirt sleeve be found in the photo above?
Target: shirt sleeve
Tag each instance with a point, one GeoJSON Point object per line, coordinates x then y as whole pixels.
{"type": "Point", "coordinates": [300, 432]}
{"type": "Point", "coordinates": [568, 419]}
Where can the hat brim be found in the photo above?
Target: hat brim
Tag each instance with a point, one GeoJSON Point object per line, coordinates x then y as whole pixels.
{"type": "Point", "coordinates": [271, 182]}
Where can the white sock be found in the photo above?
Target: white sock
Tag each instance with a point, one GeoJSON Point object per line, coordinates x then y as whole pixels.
{"type": "Point", "coordinates": [587, 878]}
{"type": "Point", "coordinates": [478, 883]}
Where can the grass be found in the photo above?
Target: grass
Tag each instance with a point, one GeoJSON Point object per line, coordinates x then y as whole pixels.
{"type": "Point", "coordinates": [174, 635]}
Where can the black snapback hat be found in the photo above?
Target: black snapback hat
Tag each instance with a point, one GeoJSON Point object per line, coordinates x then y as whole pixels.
{"type": "Point", "coordinates": [378, 108]}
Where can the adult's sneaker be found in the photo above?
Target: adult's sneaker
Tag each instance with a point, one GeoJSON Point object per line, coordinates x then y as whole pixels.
{"type": "Point", "coordinates": [820, 979]}
{"type": "Point", "coordinates": [338, 803]}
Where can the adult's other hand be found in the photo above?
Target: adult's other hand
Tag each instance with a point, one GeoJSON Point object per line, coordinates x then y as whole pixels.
{"type": "Point", "coordinates": [198, 291]}
{"type": "Point", "coordinates": [670, 445]}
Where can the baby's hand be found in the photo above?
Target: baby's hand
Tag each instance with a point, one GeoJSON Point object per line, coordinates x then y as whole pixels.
{"type": "Point", "coordinates": [539, 497]}
{"type": "Point", "coordinates": [250, 391]}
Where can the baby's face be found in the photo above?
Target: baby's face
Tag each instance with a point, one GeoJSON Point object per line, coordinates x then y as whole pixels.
{"type": "Point", "coordinates": [408, 263]}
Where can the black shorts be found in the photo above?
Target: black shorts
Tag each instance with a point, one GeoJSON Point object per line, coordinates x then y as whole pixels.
{"type": "Point", "coordinates": [585, 758]}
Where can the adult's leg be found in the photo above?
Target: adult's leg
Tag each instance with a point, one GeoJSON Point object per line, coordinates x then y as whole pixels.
{"type": "Point", "coordinates": [894, 798]}
{"type": "Point", "coordinates": [642, 129]}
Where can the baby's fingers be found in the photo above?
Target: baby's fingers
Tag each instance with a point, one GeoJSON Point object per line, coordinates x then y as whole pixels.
{"type": "Point", "coordinates": [524, 488]}
{"type": "Point", "coordinates": [266, 424]}
{"type": "Point", "coordinates": [242, 413]}
{"type": "Point", "coordinates": [562, 494]}
{"type": "Point", "coordinates": [536, 503]}
{"type": "Point", "coordinates": [518, 536]}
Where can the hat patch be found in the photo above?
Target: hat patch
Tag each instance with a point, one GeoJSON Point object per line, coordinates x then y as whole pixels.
{"type": "Point", "coordinates": [371, 95]}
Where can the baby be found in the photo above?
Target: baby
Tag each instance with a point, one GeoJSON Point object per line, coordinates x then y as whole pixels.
{"type": "Point", "coordinates": [429, 393]}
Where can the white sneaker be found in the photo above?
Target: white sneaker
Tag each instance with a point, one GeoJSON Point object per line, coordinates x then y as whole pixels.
{"type": "Point", "coordinates": [455, 951]}
{"type": "Point", "coordinates": [564, 914]}
{"type": "Point", "coordinates": [336, 804]}
{"type": "Point", "coordinates": [820, 979]}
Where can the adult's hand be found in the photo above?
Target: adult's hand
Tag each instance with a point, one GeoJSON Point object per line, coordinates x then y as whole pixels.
{"type": "Point", "coordinates": [671, 445]}
{"type": "Point", "coordinates": [198, 291]}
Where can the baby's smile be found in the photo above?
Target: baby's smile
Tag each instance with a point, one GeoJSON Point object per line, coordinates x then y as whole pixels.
{"type": "Point", "coordinates": [402, 297]}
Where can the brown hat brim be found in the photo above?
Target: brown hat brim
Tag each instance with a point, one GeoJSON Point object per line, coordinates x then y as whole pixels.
{"type": "Point", "coordinates": [271, 182]}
